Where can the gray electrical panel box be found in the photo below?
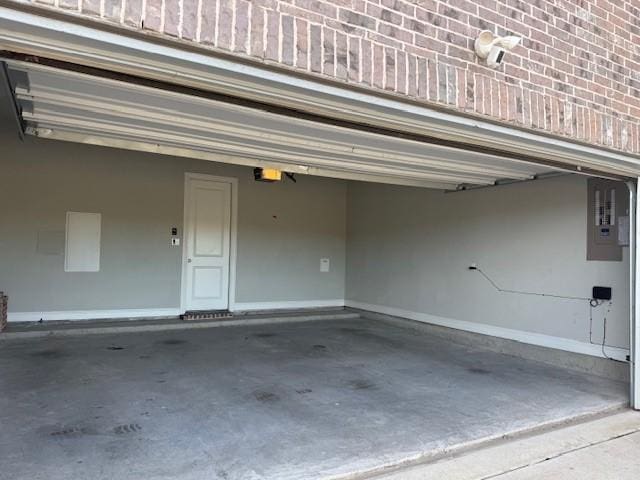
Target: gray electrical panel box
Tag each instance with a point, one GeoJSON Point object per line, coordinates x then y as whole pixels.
{"type": "Point", "coordinates": [607, 219]}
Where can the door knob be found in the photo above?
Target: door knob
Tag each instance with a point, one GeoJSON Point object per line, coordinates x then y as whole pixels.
{"type": "Point", "coordinates": [188, 260]}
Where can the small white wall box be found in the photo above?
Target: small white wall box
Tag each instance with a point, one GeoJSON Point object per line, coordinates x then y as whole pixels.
{"type": "Point", "coordinates": [325, 264]}
{"type": "Point", "coordinates": [175, 241]}
{"type": "Point", "coordinates": [623, 231]}
{"type": "Point", "coordinates": [82, 242]}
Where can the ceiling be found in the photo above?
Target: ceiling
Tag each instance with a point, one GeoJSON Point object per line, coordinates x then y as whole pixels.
{"type": "Point", "coordinates": [73, 106]}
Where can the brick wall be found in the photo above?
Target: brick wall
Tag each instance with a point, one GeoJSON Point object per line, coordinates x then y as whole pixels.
{"type": "Point", "coordinates": [576, 74]}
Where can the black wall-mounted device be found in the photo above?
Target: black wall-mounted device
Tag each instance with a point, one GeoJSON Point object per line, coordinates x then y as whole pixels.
{"type": "Point", "coordinates": [601, 293]}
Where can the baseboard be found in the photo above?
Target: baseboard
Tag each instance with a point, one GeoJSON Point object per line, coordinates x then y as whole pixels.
{"type": "Point", "coordinates": [531, 338]}
{"type": "Point", "coordinates": [164, 312]}
{"type": "Point", "coordinates": [92, 314]}
{"type": "Point", "coordinates": [286, 305]}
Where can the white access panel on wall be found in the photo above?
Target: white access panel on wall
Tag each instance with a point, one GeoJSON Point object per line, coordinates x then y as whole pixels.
{"type": "Point", "coordinates": [82, 242]}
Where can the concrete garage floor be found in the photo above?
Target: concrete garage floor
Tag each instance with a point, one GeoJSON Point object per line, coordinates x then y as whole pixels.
{"type": "Point", "coordinates": [287, 401]}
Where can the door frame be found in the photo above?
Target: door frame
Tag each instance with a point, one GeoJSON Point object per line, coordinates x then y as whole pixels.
{"type": "Point", "coordinates": [232, 240]}
{"type": "Point", "coordinates": [634, 297]}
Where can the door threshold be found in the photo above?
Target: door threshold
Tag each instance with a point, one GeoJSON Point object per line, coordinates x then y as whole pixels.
{"type": "Point", "coordinates": [205, 314]}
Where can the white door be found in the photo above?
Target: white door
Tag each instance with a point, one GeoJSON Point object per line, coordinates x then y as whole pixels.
{"type": "Point", "coordinates": [207, 244]}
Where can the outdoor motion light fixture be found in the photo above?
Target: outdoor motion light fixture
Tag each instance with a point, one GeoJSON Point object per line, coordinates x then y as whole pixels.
{"type": "Point", "coordinates": [492, 48]}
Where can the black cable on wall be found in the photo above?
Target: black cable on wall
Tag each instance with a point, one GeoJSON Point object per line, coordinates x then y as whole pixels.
{"type": "Point", "coordinates": [593, 303]}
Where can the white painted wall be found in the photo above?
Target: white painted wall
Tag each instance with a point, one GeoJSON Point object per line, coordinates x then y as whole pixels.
{"type": "Point", "coordinates": [408, 250]}
{"type": "Point", "coordinates": [283, 231]}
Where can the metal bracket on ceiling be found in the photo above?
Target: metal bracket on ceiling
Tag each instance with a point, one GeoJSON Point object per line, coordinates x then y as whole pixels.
{"type": "Point", "coordinates": [500, 183]}
{"type": "Point", "coordinates": [463, 187]}
{"type": "Point", "coordinates": [9, 91]}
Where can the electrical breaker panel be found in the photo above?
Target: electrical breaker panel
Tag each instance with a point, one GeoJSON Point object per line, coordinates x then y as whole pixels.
{"type": "Point", "coordinates": [607, 218]}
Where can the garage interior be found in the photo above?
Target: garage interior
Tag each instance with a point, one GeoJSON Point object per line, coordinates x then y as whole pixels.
{"type": "Point", "coordinates": [447, 314]}
{"type": "Point", "coordinates": [301, 400]}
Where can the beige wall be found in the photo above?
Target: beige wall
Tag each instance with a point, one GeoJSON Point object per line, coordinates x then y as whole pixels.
{"type": "Point", "coordinates": [410, 249]}
{"type": "Point", "coordinates": [283, 229]}
{"type": "Point", "coordinates": [407, 248]}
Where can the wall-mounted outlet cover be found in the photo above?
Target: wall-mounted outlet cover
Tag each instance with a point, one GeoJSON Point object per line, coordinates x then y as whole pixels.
{"type": "Point", "coordinates": [325, 264]}
{"type": "Point", "coordinates": [175, 241]}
